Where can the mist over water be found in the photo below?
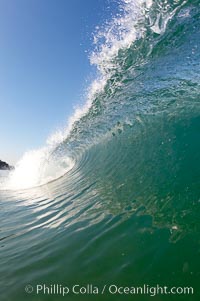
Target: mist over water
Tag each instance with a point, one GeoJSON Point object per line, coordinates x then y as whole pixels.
{"type": "Point", "coordinates": [114, 198]}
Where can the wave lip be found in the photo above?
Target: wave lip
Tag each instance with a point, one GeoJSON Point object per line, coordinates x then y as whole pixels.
{"type": "Point", "coordinates": [37, 168]}
{"type": "Point", "coordinates": [127, 87]}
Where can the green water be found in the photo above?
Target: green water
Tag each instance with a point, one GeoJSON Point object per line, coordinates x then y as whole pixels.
{"type": "Point", "coordinates": [127, 213]}
{"type": "Point", "coordinates": [129, 226]}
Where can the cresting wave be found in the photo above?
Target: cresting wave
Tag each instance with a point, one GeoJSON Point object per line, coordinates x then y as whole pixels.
{"type": "Point", "coordinates": [140, 76]}
{"type": "Point", "coordinates": [126, 209]}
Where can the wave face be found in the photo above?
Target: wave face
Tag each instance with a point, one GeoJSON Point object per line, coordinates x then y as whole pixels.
{"type": "Point", "coordinates": [119, 200]}
{"type": "Point", "coordinates": [140, 73]}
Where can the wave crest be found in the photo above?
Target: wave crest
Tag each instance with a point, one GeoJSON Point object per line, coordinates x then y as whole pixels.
{"type": "Point", "coordinates": [122, 91]}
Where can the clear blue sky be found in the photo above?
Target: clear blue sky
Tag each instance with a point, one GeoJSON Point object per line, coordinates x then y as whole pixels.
{"type": "Point", "coordinates": [43, 66]}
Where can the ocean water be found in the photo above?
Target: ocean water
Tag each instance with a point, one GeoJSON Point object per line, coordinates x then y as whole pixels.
{"type": "Point", "coordinates": [114, 199]}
